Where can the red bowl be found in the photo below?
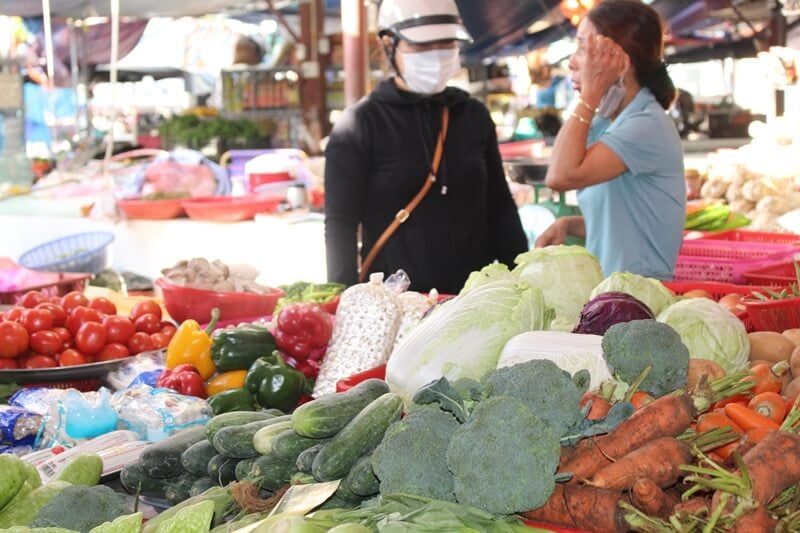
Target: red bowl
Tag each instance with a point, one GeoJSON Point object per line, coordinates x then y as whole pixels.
{"type": "Point", "coordinates": [230, 208]}
{"type": "Point", "coordinates": [152, 209]}
{"type": "Point", "coordinates": [184, 303]}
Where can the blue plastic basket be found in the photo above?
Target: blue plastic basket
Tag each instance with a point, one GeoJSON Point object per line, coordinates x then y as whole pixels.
{"type": "Point", "coordinates": [83, 252]}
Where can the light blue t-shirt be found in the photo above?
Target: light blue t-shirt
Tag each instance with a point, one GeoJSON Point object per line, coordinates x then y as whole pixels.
{"type": "Point", "coordinates": [634, 222]}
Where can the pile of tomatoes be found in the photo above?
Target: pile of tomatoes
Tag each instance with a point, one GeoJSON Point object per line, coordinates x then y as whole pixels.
{"type": "Point", "coordinates": [43, 332]}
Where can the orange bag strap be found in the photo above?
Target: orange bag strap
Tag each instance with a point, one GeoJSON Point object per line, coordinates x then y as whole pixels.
{"type": "Point", "coordinates": [404, 213]}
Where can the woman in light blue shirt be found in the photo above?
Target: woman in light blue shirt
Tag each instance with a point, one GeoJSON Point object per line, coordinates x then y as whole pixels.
{"type": "Point", "coordinates": [619, 148]}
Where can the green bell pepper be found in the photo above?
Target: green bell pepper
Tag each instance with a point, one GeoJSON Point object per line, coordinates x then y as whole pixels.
{"type": "Point", "coordinates": [274, 384]}
{"type": "Point", "coordinates": [232, 400]}
{"type": "Point", "coordinates": [238, 348]}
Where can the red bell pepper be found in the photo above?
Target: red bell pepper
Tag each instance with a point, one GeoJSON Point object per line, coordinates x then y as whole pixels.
{"type": "Point", "coordinates": [184, 379]}
{"type": "Point", "coordinates": [303, 331]}
{"type": "Point", "coordinates": [309, 367]}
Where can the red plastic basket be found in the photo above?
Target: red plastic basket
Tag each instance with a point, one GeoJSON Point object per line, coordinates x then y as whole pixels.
{"type": "Point", "coordinates": [774, 315]}
{"type": "Point", "coordinates": [82, 385]}
{"type": "Point", "coordinates": [753, 236]}
{"type": "Point", "coordinates": [779, 274]}
{"type": "Point", "coordinates": [726, 260]}
{"type": "Point", "coordinates": [717, 291]}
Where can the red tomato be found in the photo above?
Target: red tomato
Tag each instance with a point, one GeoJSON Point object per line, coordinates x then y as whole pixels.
{"type": "Point", "coordinates": [72, 300]}
{"type": "Point", "coordinates": [80, 316]}
{"type": "Point", "coordinates": [168, 328]}
{"type": "Point", "coordinates": [13, 340]}
{"type": "Point", "coordinates": [148, 323]}
{"type": "Point", "coordinates": [146, 307]}
{"type": "Point", "coordinates": [37, 320]}
{"type": "Point", "coordinates": [31, 299]}
{"type": "Point", "coordinates": [103, 305]}
{"type": "Point", "coordinates": [91, 338]}
{"type": "Point", "coordinates": [40, 361]}
{"type": "Point", "coordinates": [119, 328]}
{"type": "Point", "coordinates": [113, 351]}
{"type": "Point", "coordinates": [59, 315]}
{"type": "Point", "coordinates": [72, 357]}
{"type": "Point", "coordinates": [160, 340]}
{"type": "Point", "coordinates": [140, 342]}
{"type": "Point", "coordinates": [65, 336]}
{"type": "Point", "coordinates": [9, 364]}
{"type": "Point", "coordinates": [45, 342]}
{"type": "Point", "coordinates": [14, 314]}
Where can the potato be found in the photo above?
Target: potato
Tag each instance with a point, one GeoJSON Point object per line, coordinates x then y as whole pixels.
{"type": "Point", "coordinates": [793, 335]}
{"type": "Point", "coordinates": [794, 362]}
{"type": "Point", "coordinates": [792, 390]}
{"type": "Point", "coordinates": [699, 367]}
{"type": "Point", "coordinates": [732, 302]}
{"type": "Point", "coordinates": [698, 293]}
{"type": "Point", "coordinates": [770, 346]}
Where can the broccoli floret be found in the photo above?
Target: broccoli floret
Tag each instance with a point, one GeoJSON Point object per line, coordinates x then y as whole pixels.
{"type": "Point", "coordinates": [443, 394]}
{"type": "Point", "coordinates": [546, 390]}
{"type": "Point", "coordinates": [411, 457]}
{"type": "Point", "coordinates": [468, 388]}
{"type": "Point", "coordinates": [504, 458]}
{"type": "Point", "coordinates": [82, 508]}
{"type": "Point", "coordinates": [630, 347]}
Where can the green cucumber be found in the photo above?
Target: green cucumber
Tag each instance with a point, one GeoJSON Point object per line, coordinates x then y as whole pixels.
{"type": "Point", "coordinates": [201, 485]}
{"type": "Point", "coordinates": [243, 469]}
{"type": "Point", "coordinates": [134, 480]}
{"type": "Point", "coordinates": [85, 469]}
{"type": "Point", "coordinates": [196, 457]}
{"type": "Point", "coordinates": [222, 470]}
{"type": "Point", "coordinates": [357, 438]}
{"type": "Point", "coordinates": [306, 459]}
{"type": "Point", "coordinates": [163, 459]}
{"type": "Point", "coordinates": [361, 479]}
{"type": "Point", "coordinates": [32, 475]}
{"type": "Point", "coordinates": [178, 489]}
{"type": "Point", "coordinates": [272, 473]}
{"type": "Point", "coordinates": [288, 445]}
{"type": "Point", "coordinates": [236, 418]}
{"type": "Point", "coordinates": [24, 510]}
{"type": "Point", "coordinates": [327, 415]}
{"type": "Point", "coordinates": [262, 440]}
{"type": "Point", "coordinates": [237, 441]}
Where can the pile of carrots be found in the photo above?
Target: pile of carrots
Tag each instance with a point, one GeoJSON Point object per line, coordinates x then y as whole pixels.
{"type": "Point", "coordinates": [680, 464]}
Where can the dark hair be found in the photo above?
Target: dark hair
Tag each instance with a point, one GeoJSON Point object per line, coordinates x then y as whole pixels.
{"type": "Point", "coordinates": [638, 29]}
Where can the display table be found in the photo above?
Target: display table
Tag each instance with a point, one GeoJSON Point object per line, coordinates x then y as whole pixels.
{"type": "Point", "coordinates": [284, 248]}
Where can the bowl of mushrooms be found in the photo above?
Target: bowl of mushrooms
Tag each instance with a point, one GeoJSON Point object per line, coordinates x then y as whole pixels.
{"type": "Point", "coordinates": [191, 289]}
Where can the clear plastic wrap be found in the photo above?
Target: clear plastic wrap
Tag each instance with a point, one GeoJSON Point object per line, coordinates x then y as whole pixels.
{"type": "Point", "coordinates": [155, 413]}
{"type": "Point", "coordinates": [75, 417]}
{"type": "Point", "coordinates": [140, 370]}
{"type": "Point", "coordinates": [18, 427]}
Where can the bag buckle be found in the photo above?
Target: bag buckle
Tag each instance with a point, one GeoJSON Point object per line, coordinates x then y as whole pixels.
{"type": "Point", "coordinates": [402, 216]}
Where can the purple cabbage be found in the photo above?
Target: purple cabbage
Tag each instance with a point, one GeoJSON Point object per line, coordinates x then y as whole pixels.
{"type": "Point", "coordinates": [609, 308]}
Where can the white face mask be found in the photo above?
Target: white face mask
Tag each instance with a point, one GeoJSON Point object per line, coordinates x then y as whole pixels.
{"type": "Point", "coordinates": [428, 72]}
{"type": "Point", "coordinates": [612, 99]}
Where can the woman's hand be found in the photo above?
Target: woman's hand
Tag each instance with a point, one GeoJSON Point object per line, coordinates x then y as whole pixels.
{"type": "Point", "coordinates": [556, 233]}
{"type": "Point", "coordinates": [605, 62]}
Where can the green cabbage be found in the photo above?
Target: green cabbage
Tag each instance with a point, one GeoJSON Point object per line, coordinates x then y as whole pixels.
{"type": "Point", "coordinates": [710, 332]}
{"type": "Point", "coordinates": [464, 336]}
{"type": "Point", "coordinates": [491, 272]}
{"type": "Point", "coordinates": [649, 291]}
{"type": "Point", "coordinates": [566, 275]}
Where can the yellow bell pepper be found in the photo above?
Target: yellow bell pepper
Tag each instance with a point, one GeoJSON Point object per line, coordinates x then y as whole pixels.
{"type": "Point", "coordinates": [192, 345]}
{"type": "Point", "coordinates": [233, 379]}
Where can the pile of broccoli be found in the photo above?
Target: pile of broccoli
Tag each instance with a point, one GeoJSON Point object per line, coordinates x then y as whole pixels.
{"type": "Point", "coordinates": [81, 508]}
{"type": "Point", "coordinates": [631, 347]}
{"type": "Point", "coordinates": [493, 445]}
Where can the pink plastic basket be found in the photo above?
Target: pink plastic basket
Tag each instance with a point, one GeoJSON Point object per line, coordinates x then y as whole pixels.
{"type": "Point", "coordinates": [752, 236]}
{"type": "Point", "coordinates": [727, 260]}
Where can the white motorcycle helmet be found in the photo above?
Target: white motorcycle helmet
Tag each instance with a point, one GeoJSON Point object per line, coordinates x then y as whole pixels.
{"type": "Point", "coordinates": [421, 21]}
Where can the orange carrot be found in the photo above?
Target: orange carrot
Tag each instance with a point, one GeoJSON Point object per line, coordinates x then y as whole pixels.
{"type": "Point", "coordinates": [755, 521]}
{"type": "Point", "coordinates": [714, 420]}
{"type": "Point", "coordinates": [581, 507]}
{"type": "Point", "coordinates": [756, 435]}
{"type": "Point", "coordinates": [725, 451]}
{"type": "Point", "coordinates": [600, 406]}
{"type": "Point", "coordinates": [667, 416]}
{"type": "Point", "coordinates": [768, 377]}
{"type": "Point", "coordinates": [640, 398]}
{"type": "Point", "coordinates": [658, 460]}
{"type": "Point", "coordinates": [746, 418]}
{"type": "Point", "coordinates": [692, 506]}
{"type": "Point", "coordinates": [769, 404]}
{"type": "Point", "coordinates": [648, 497]}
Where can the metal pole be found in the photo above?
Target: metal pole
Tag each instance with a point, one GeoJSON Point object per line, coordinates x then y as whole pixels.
{"type": "Point", "coordinates": [48, 41]}
{"type": "Point", "coordinates": [354, 40]}
{"type": "Point", "coordinates": [113, 81]}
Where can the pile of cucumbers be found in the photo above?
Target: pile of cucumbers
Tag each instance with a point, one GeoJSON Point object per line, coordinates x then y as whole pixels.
{"type": "Point", "coordinates": [328, 438]}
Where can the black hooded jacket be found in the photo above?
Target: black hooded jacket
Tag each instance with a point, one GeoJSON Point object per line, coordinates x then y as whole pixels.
{"type": "Point", "coordinates": [378, 158]}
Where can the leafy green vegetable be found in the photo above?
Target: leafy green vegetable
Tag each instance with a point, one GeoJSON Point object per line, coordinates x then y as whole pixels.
{"type": "Point", "coordinates": [566, 275]}
{"type": "Point", "coordinates": [709, 331]}
{"type": "Point", "coordinates": [131, 523]}
{"type": "Point", "coordinates": [649, 291]}
{"type": "Point", "coordinates": [441, 393]}
{"type": "Point", "coordinates": [195, 518]}
{"type": "Point", "coordinates": [304, 291]}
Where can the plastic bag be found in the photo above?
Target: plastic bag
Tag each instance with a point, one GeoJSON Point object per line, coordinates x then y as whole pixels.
{"type": "Point", "coordinates": [18, 427]}
{"type": "Point", "coordinates": [155, 413]}
{"type": "Point", "coordinates": [140, 370]}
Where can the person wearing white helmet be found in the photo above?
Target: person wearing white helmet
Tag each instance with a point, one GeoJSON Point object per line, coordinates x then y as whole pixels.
{"type": "Point", "coordinates": [415, 165]}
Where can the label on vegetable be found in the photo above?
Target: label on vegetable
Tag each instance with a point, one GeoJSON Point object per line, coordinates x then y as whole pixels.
{"type": "Point", "coordinates": [300, 499]}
